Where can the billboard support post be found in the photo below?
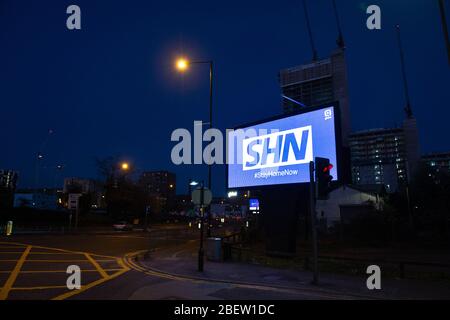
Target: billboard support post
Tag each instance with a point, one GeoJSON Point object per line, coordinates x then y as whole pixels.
{"type": "Point", "coordinates": [312, 206]}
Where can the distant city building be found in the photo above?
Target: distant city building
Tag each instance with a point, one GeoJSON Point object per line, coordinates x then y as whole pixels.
{"type": "Point", "coordinates": [43, 199]}
{"type": "Point", "coordinates": [411, 145]}
{"type": "Point", "coordinates": [163, 182]}
{"type": "Point", "coordinates": [79, 185]}
{"type": "Point", "coordinates": [437, 161]}
{"type": "Point", "coordinates": [317, 83]}
{"type": "Point", "coordinates": [183, 202]}
{"type": "Point", "coordinates": [378, 156]}
{"type": "Point", "coordinates": [8, 181]}
{"type": "Point", "coordinates": [385, 156]}
{"type": "Point", "coordinates": [90, 187]}
{"type": "Point", "coordinates": [160, 186]}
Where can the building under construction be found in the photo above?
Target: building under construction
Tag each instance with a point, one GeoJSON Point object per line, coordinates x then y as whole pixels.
{"type": "Point", "coordinates": [318, 83]}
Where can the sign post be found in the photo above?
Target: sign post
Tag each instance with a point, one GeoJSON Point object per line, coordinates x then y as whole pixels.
{"type": "Point", "coordinates": [201, 197]}
{"type": "Point", "coordinates": [74, 204]}
{"type": "Point", "coordinates": [312, 206]}
{"type": "Point", "coordinates": [147, 212]}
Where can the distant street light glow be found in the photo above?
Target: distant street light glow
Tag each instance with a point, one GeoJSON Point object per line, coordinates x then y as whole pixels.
{"type": "Point", "coordinates": [232, 194]}
{"type": "Point", "coordinates": [182, 64]}
{"type": "Point", "coordinates": [125, 166]}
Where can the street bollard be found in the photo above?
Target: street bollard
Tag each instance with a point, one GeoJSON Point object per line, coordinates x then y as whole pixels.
{"type": "Point", "coordinates": [9, 228]}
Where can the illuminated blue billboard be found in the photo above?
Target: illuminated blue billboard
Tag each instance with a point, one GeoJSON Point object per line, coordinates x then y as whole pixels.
{"type": "Point", "coordinates": [279, 151]}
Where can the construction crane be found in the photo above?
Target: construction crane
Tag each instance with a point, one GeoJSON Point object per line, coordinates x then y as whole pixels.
{"type": "Point", "coordinates": [311, 40]}
{"type": "Point", "coordinates": [408, 109]}
{"type": "Point", "coordinates": [340, 40]}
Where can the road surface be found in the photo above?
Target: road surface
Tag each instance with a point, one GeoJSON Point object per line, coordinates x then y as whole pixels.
{"type": "Point", "coordinates": [34, 267]}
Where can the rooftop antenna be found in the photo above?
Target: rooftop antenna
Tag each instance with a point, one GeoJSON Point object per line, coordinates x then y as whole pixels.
{"type": "Point", "coordinates": [308, 25]}
{"type": "Point", "coordinates": [340, 40]}
{"type": "Point", "coordinates": [444, 27]}
{"type": "Point", "coordinates": [408, 109]}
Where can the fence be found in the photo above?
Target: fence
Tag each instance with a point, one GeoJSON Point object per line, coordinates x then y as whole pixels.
{"type": "Point", "coordinates": [397, 268]}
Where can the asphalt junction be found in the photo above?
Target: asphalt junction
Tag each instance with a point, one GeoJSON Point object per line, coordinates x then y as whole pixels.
{"type": "Point", "coordinates": [37, 272]}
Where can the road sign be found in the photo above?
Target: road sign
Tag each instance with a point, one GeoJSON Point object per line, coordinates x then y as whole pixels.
{"type": "Point", "coordinates": [254, 205]}
{"type": "Point", "coordinates": [74, 201]}
{"type": "Point", "coordinates": [197, 196]}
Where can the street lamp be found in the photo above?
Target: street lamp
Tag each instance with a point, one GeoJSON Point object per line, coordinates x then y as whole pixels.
{"type": "Point", "coordinates": [124, 166]}
{"type": "Point", "coordinates": [182, 64]}
{"type": "Point", "coordinates": [59, 168]}
{"type": "Point", "coordinates": [192, 183]}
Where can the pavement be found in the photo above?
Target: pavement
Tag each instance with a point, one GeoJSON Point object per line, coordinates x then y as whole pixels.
{"type": "Point", "coordinates": [181, 263]}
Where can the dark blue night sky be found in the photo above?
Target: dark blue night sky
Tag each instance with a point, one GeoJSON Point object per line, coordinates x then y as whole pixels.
{"type": "Point", "coordinates": [110, 88]}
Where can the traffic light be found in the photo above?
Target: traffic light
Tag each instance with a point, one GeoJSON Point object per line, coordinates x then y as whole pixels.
{"type": "Point", "coordinates": [323, 177]}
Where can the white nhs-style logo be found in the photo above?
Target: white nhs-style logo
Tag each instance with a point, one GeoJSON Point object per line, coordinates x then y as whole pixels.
{"type": "Point", "coordinates": [284, 148]}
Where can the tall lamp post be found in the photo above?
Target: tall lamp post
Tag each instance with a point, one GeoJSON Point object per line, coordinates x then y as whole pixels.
{"type": "Point", "coordinates": [182, 64]}
{"type": "Point", "coordinates": [123, 167]}
{"type": "Point", "coordinates": [445, 27]}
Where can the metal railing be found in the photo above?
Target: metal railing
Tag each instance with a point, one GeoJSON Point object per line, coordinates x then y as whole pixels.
{"type": "Point", "coordinates": [399, 265]}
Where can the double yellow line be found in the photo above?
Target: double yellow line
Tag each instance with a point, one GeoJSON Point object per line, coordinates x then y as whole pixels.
{"type": "Point", "coordinates": [259, 286]}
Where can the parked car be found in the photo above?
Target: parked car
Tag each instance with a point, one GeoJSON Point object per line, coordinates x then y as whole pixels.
{"type": "Point", "coordinates": [122, 226]}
